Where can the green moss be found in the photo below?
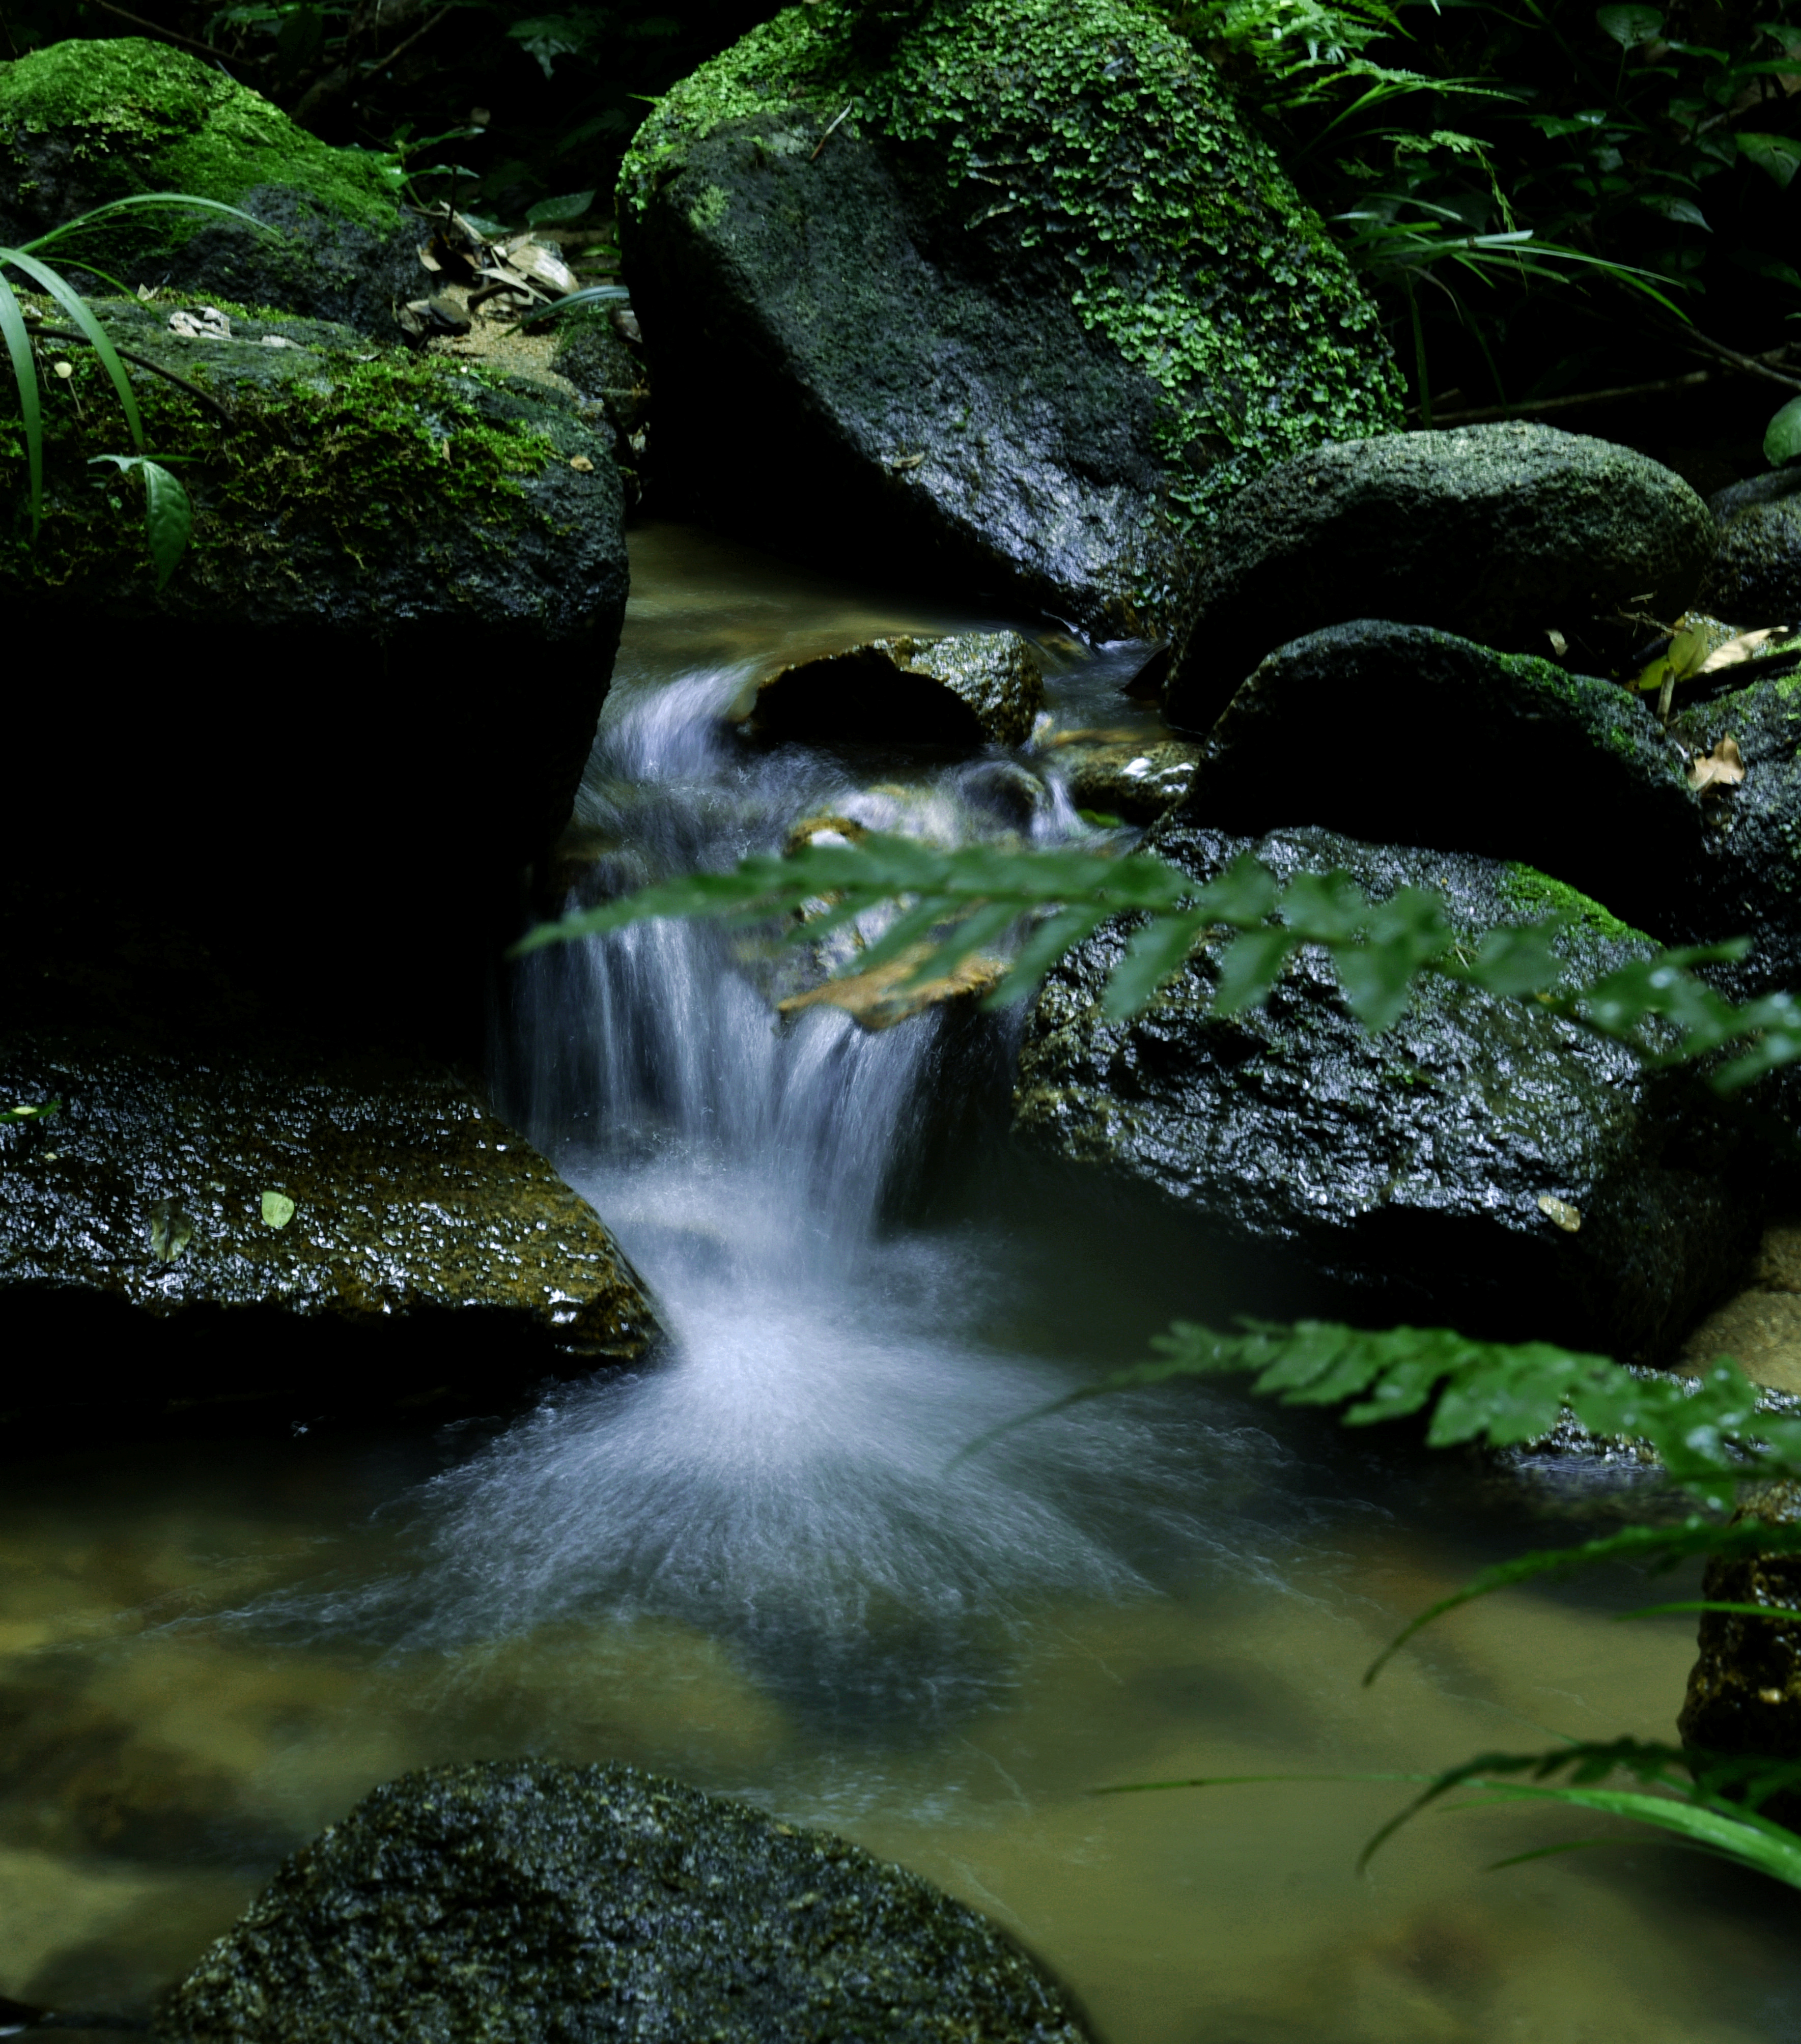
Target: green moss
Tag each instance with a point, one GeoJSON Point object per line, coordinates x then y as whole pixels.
{"type": "Point", "coordinates": [709, 209]}
{"type": "Point", "coordinates": [1538, 895]}
{"type": "Point", "coordinates": [1110, 142]}
{"type": "Point", "coordinates": [335, 457]}
{"type": "Point", "coordinates": [146, 117]}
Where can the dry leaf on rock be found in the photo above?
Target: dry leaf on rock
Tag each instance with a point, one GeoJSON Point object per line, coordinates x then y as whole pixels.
{"type": "Point", "coordinates": [879, 999]}
{"type": "Point", "coordinates": [1559, 1212]}
{"type": "Point", "coordinates": [1723, 767]}
{"type": "Point", "coordinates": [200, 323]}
{"type": "Point", "coordinates": [1740, 648]}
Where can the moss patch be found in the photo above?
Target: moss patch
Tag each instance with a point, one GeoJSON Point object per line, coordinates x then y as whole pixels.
{"type": "Point", "coordinates": [139, 116]}
{"type": "Point", "coordinates": [1538, 895]}
{"type": "Point", "coordinates": [1110, 143]}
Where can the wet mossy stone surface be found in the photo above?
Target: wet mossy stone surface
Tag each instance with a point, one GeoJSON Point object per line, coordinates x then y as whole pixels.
{"type": "Point", "coordinates": [1036, 306]}
{"type": "Point", "coordinates": [968, 690]}
{"type": "Point", "coordinates": [1137, 783]}
{"type": "Point", "coordinates": [1755, 578]}
{"type": "Point", "coordinates": [1406, 1167]}
{"type": "Point", "coordinates": [269, 1237]}
{"type": "Point", "coordinates": [1499, 533]}
{"type": "Point", "coordinates": [86, 122]}
{"type": "Point", "coordinates": [512, 1902]}
{"type": "Point", "coordinates": [375, 673]}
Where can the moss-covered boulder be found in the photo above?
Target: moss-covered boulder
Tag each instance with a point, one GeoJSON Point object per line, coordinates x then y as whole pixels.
{"type": "Point", "coordinates": [1500, 533]}
{"type": "Point", "coordinates": [999, 289]}
{"type": "Point", "coordinates": [1755, 578]}
{"type": "Point", "coordinates": [970, 689]}
{"type": "Point", "coordinates": [523, 1902]}
{"type": "Point", "coordinates": [269, 1236]}
{"type": "Point", "coordinates": [368, 690]}
{"type": "Point", "coordinates": [1482, 1162]}
{"type": "Point", "coordinates": [86, 122]}
{"type": "Point", "coordinates": [1136, 782]}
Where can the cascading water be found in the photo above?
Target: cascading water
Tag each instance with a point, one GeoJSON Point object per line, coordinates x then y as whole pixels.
{"type": "Point", "coordinates": [787, 1475]}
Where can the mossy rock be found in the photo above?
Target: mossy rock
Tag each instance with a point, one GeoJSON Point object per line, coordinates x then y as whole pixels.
{"type": "Point", "coordinates": [1407, 1167]}
{"type": "Point", "coordinates": [86, 122]}
{"type": "Point", "coordinates": [1001, 291]}
{"type": "Point", "coordinates": [602, 368]}
{"type": "Point", "coordinates": [1500, 533]}
{"type": "Point", "coordinates": [380, 663]}
{"type": "Point", "coordinates": [1755, 578]}
{"type": "Point", "coordinates": [509, 1902]}
{"type": "Point", "coordinates": [261, 1236]}
{"type": "Point", "coordinates": [1137, 783]}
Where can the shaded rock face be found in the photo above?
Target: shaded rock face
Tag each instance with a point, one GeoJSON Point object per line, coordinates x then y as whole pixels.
{"type": "Point", "coordinates": [86, 122]}
{"type": "Point", "coordinates": [1036, 304]}
{"type": "Point", "coordinates": [1744, 1688]}
{"type": "Point", "coordinates": [524, 1900]}
{"type": "Point", "coordinates": [1755, 578]}
{"type": "Point", "coordinates": [975, 688]}
{"type": "Point", "coordinates": [412, 1249]}
{"type": "Point", "coordinates": [1137, 783]}
{"type": "Point", "coordinates": [383, 654]}
{"type": "Point", "coordinates": [1499, 533]}
{"type": "Point", "coordinates": [1410, 1164]}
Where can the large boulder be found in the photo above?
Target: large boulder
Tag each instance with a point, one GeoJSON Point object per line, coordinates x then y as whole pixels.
{"type": "Point", "coordinates": [1482, 1162]}
{"type": "Point", "coordinates": [532, 1902]}
{"type": "Point", "coordinates": [1001, 291]}
{"type": "Point", "coordinates": [376, 671]}
{"type": "Point", "coordinates": [277, 1238]}
{"type": "Point", "coordinates": [86, 122]}
{"type": "Point", "coordinates": [1755, 578]}
{"type": "Point", "coordinates": [1500, 533]}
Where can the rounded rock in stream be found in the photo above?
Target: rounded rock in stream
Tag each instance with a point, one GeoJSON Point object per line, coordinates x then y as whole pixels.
{"type": "Point", "coordinates": [970, 689]}
{"type": "Point", "coordinates": [511, 1902]}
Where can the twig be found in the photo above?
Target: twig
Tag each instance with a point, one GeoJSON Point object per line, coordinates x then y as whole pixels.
{"type": "Point", "coordinates": [830, 132]}
{"type": "Point", "coordinates": [1582, 397]}
{"type": "Point", "coordinates": [143, 362]}
{"type": "Point", "coordinates": [1751, 365]}
{"type": "Point", "coordinates": [400, 49]}
{"type": "Point", "coordinates": [168, 35]}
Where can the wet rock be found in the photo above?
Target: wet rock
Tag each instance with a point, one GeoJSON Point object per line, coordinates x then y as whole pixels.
{"type": "Point", "coordinates": [1755, 578]}
{"type": "Point", "coordinates": [85, 122]}
{"type": "Point", "coordinates": [1750, 876]}
{"type": "Point", "coordinates": [1760, 1327]}
{"type": "Point", "coordinates": [530, 1900]}
{"type": "Point", "coordinates": [1500, 533]}
{"type": "Point", "coordinates": [277, 1236]}
{"type": "Point", "coordinates": [1135, 783]}
{"type": "Point", "coordinates": [1744, 1688]}
{"type": "Point", "coordinates": [1002, 291]}
{"type": "Point", "coordinates": [378, 667]}
{"type": "Point", "coordinates": [602, 368]}
{"type": "Point", "coordinates": [970, 688]}
{"type": "Point", "coordinates": [1412, 1166]}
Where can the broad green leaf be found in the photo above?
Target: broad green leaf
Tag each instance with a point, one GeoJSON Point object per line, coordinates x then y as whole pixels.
{"type": "Point", "coordinates": [277, 1209]}
{"type": "Point", "coordinates": [1249, 966]}
{"type": "Point", "coordinates": [168, 514]}
{"type": "Point", "coordinates": [1778, 155]}
{"type": "Point", "coordinates": [170, 1230]}
{"type": "Point", "coordinates": [31, 1111]}
{"type": "Point", "coordinates": [548, 212]}
{"type": "Point", "coordinates": [1782, 437]}
{"type": "Point", "coordinates": [1630, 26]}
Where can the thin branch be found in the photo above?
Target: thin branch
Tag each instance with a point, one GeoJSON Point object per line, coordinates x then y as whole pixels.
{"type": "Point", "coordinates": [167, 35]}
{"type": "Point", "coordinates": [400, 49]}
{"type": "Point", "coordinates": [1687, 382]}
{"type": "Point", "coordinates": [143, 362]}
{"type": "Point", "coordinates": [1749, 365]}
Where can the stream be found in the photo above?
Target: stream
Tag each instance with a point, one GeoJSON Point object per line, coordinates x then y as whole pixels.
{"type": "Point", "coordinates": [766, 1566]}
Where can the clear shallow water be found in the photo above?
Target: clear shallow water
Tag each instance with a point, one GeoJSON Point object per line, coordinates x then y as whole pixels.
{"type": "Point", "coordinates": [761, 1567]}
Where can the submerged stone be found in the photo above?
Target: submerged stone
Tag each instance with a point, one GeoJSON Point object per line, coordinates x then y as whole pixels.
{"type": "Point", "coordinates": [274, 1236]}
{"type": "Point", "coordinates": [971, 688]}
{"type": "Point", "coordinates": [511, 1902]}
{"type": "Point", "coordinates": [89, 121]}
{"type": "Point", "coordinates": [1002, 291]}
{"type": "Point", "coordinates": [1499, 533]}
{"type": "Point", "coordinates": [1482, 1163]}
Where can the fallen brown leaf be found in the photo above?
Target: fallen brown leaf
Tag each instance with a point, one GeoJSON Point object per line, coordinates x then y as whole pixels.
{"type": "Point", "coordinates": [1723, 767]}
{"type": "Point", "coordinates": [879, 1000]}
{"type": "Point", "coordinates": [1740, 648]}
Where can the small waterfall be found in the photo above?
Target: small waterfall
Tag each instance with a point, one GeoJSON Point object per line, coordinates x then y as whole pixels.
{"type": "Point", "coordinates": [786, 1477]}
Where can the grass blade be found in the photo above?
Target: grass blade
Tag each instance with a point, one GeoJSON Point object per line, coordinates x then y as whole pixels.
{"type": "Point", "coordinates": [24, 370]}
{"type": "Point", "coordinates": [75, 306]}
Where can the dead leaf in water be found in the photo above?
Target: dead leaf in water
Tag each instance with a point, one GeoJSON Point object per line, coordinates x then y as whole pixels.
{"type": "Point", "coordinates": [1723, 767]}
{"type": "Point", "coordinates": [879, 1000]}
